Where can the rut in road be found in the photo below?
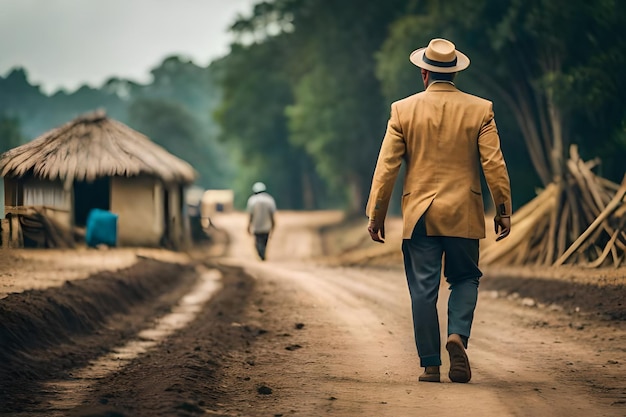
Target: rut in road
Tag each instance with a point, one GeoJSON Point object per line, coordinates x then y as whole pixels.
{"type": "Point", "coordinates": [181, 375]}
{"type": "Point", "coordinates": [70, 393]}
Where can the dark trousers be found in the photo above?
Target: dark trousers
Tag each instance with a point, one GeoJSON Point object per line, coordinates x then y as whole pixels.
{"type": "Point", "coordinates": [423, 257]}
{"type": "Point", "coordinates": [260, 242]}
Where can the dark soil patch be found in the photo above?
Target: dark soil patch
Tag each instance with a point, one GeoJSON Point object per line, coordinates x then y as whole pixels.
{"type": "Point", "coordinates": [181, 377]}
{"type": "Point", "coordinates": [44, 334]}
{"type": "Point", "coordinates": [607, 302]}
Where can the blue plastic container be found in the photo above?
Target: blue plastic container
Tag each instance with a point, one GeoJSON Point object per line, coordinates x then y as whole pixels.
{"type": "Point", "coordinates": [101, 228]}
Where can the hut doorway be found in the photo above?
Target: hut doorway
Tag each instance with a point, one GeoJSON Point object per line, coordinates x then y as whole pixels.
{"type": "Point", "coordinates": [90, 195]}
{"type": "Point", "coordinates": [166, 238]}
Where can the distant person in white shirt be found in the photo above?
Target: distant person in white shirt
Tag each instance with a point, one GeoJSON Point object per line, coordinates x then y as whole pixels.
{"type": "Point", "coordinates": [261, 207]}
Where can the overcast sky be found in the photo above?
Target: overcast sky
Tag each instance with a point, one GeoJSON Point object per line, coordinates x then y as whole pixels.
{"type": "Point", "coordinates": [66, 43]}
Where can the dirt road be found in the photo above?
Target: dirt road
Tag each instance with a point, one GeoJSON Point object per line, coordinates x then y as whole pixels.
{"type": "Point", "coordinates": [355, 354]}
{"type": "Point", "coordinates": [299, 336]}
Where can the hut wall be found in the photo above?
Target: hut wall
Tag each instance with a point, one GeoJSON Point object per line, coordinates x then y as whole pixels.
{"type": "Point", "coordinates": [49, 194]}
{"type": "Point", "coordinates": [34, 192]}
{"type": "Point", "coordinates": [138, 202]}
{"type": "Point", "coordinates": [46, 193]}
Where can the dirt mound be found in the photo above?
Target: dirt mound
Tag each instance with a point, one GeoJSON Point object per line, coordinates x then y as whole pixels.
{"type": "Point", "coordinates": [45, 333]}
{"type": "Point", "coordinates": [603, 302]}
{"type": "Point", "coordinates": [184, 376]}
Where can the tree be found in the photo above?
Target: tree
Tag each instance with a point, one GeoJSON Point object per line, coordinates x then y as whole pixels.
{"type": "Point", "coordinates": [541, 58]}
{"type": "Point", "coordinates": [335, 111]}
{"type": "Point", "coordinates": [10, 134]}
{"type": "Point", "coordinates": [256, 91]}
{"type": "Point", "coordinates": [23, 101]}
{"type": "Point", "coordinates": [547, 70]}
{"type": "Point", "coordinates": [339, 114]}
{"type": "Point", "coordinates": [172, 126]}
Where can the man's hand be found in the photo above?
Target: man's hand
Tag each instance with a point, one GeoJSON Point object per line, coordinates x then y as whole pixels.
{"type": "Point", "coordinates": [502, 226]}
{"type": "Point", "coordinates": [376, 230]}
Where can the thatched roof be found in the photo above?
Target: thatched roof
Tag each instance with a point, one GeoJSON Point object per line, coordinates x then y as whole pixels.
{"type": "Point", "coordinates": [94, 146]}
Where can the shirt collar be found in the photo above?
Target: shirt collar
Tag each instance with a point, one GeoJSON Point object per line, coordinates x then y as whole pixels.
{"type": "Point", "coordinates": [442, 81]}
{"type": "Point", "coordinates": [441, 86]}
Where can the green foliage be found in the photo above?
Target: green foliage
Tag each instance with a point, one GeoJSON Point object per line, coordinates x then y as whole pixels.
{"type": "Point", "coordinates": [332, 108]}
{"type": "Point", "coordinates": [572, 52]}
{"type": "Point", "coordinates": [172, 126]}
{"type": "Point", "coordinates": [252, 117]}
{"type": "Point", "coordinates": [550, 66]}
{"type": "Point", "coordinates": [10, 134]}
{"type": "Point", "coordinates": [38, 112]}
{"type": "Point", "coordinates": [190, 93]}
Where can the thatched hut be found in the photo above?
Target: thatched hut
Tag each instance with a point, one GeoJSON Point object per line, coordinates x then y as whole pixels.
{"type": "Point", "coordinates": [94, 162]}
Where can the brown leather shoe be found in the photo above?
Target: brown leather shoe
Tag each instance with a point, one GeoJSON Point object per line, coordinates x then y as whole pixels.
{"type": "Point", "coordinates": [460, 370]}
{"type": "Point", "coordinates": [431, 374]}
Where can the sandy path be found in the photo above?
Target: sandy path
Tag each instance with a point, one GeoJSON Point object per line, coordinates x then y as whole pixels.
{"type": "Point", "coordinates": [356, 355]}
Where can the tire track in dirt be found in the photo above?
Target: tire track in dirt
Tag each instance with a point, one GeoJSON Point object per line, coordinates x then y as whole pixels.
{"type": "Point", "coordinates": [182, 375]}
{"type": "Point", "coordinates": [70, 393]}
{"type": "Point", "coordinates": [44, 334]}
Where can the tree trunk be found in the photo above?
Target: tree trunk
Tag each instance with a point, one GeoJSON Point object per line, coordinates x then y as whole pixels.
{"type": "Point", "coordinates": [308, 193]}
{"type": "Point", "coordinates": [355, 196]}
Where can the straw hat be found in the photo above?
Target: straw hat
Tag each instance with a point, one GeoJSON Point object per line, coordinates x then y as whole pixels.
{"type": "Point", "coordinates": [440, 56]}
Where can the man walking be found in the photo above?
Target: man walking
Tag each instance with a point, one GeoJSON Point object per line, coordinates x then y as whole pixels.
{"type": "Point", "coordinates": [261, 207]}
{"type": "Point", "coordinates": [445, 136]}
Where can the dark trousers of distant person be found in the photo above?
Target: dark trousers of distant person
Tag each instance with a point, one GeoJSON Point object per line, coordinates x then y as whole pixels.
{"type": "Point", "coordinates": [423, 262]}
{"type": "Point", "coordinates": [260, 242]}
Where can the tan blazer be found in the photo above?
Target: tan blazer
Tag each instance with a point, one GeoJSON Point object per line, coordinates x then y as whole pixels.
{"type": "Point", "coordinates": [445, 136]}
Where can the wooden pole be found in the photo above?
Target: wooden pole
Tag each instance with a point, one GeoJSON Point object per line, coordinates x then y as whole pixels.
{"type": "Point", "coordinates": [612, 206]}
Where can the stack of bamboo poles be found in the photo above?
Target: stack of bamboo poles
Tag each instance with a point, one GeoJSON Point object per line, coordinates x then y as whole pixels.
{"type": "Point", "coordinates": [579, 220]}
{"type": "Point", "coordinates": [11, 232]}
